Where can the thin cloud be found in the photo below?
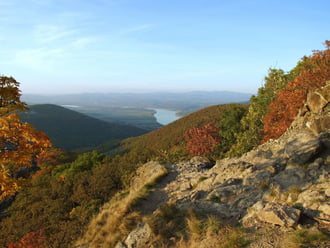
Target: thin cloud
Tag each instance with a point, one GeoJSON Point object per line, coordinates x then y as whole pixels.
{"type": "Point", "coordinates": [139, 28]}
{"type": "Point", "coordinates": [40, 58]}
{"type": "Point", "coordinates": [82, 42]}
{"type": "Point", "coordinates": [50, 33]}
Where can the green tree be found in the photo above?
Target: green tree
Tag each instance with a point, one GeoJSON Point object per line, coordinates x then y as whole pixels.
{"type": "Point", "coordinates": [252, 123]}
{"type": "Point", "coordinates": [230, 126]}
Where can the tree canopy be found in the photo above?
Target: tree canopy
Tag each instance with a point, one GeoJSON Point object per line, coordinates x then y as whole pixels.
{"type": "Point", "coordinates": [20, 143]}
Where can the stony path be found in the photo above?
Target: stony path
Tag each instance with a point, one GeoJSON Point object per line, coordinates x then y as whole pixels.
{"type": "Point", "coordinates": [159, 194]}
{"type": "Point", "coordinates": [176, 184]}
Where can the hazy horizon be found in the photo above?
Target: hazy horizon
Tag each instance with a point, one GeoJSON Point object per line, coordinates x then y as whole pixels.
{"type": "Point", "coordinates": [79, 46]}
{"type": "Point", "coordinates": [137, 92]}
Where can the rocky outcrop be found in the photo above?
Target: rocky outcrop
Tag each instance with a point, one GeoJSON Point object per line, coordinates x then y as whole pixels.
{"type": "Point", "coordinates": [282, 171]}
{"type": "Point", "coordinates": [280, 183]}
{"type": "Point", "coordinates": [273, 213]}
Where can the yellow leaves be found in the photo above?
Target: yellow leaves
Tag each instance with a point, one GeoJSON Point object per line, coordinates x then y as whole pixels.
{"type": "Point", "coordinates": [20, 143]}
{"type": "Point", "coordinates": [10, 96]}
{"type": "Point", "coordinates": [19, 146]}
{"type": "Point", "coordinates": [8, 185]}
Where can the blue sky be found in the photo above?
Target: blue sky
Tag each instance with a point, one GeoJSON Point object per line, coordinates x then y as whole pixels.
{"type": "Point", "coordinates": [74, 46]}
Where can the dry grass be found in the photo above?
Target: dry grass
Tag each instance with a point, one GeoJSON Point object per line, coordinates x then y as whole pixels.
{"type": "Point", "coordinates": [118, 218]}
{"type": "Point", "coordinates": [304, 238]}
{"type": "Point", "coordinates": [188, 229]}
{"type": "Point", "coordinates": [219, 237]}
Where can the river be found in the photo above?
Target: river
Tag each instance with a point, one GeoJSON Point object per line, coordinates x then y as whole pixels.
{"type": "Point", "coordinates": [165, 116]}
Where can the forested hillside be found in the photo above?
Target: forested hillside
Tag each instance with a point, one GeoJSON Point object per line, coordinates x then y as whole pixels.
{"type": "Point", "coordinates": [71, 130]}
{"type": "Point", "coordinates": [170, 141]}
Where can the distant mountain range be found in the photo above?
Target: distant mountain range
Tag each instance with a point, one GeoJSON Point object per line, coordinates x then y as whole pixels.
{"type": "Point", "coordinates": [71, 130]}
{"type": "Point", "coordinates": [188, 101]}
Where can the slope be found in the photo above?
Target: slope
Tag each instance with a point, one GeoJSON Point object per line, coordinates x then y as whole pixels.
{"type": "Point", "coordinates": [71, 130]}
{"type": "Point", "coordinates": [169, 140]}
{"type": "Point", "coordinates": [277, 195]}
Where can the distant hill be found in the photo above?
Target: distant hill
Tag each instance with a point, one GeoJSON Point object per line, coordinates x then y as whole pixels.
{"type": "Point", "coordinates": [170, 138]}
{"type": "Point", "coordinates": [184, 101]}
{"type": "Point", "coordinates": [71, 130]}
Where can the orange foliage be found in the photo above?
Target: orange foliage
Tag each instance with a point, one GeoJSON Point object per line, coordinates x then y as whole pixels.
{"type": "Point", "coordinates": [48, 159]}
{"type": "Point", "coordinates": [30, 240]}
{"type": "Point", "coordinates": [203, 140]}
{"type": "Point", "coordinates": [20, 144]}
{"type": "Point", "coordinates": [10, 96]}
{"type": "Point", "coordinates": [315, 72]}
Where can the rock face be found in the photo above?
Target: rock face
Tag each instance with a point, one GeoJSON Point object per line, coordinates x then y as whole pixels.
{"type": "Point", "coordinates": [317, 100]}
{"type": "Point", "coordinates": [318, 103]}
{"type": "Point", "coordinates": [273, 213]}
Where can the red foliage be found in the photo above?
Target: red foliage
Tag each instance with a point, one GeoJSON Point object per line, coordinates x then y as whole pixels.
{"type": "Point", "coordinates": [30, 240]}
{"type": "Point", "coordinates": [203, 140]}
{"type": "Point", "coordinates": [315, 72]}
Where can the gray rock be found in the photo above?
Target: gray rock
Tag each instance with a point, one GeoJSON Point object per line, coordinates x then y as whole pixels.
{"type": "Point", "coordinates": [303, 147]}
{"type": "Point", "coordinates": [120, 245]}
{"type": "Point", "coordinates": [260, 177]}
{"type": "Point", "coordinates": [325, 208]}
{"type": "Point", "coordinates": [289, 177]}
{"type": "Point", "coordinates": [199, 160]}
{"type": "Point", "coordinates": [138, 237]}
{"type": "Point", "coordinates": [233, 181]}
{"type": "Point", "coordinates": [273, 213]}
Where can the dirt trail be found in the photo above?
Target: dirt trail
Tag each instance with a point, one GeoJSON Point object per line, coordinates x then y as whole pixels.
{"type": "Point", "coordinates": [159, 194]}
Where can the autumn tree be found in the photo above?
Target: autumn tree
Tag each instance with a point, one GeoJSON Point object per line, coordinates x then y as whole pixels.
{"type": "Point", "coordinates": [202, 140]}
{"type": "Point", "coordinates": [30, 240]}
{"type": "Point", "coordinates": [314, 73]}
{"type": "Point", "coordinates": [20, 143]}
{"type": "Point", "coordinates": [10, 96]}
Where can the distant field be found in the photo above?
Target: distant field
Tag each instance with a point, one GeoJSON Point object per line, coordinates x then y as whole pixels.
{"type": "Point", "coordinates": [138, 117]}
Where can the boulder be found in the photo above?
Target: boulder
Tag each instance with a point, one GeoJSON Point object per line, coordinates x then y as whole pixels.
{"type": "Point", "coordinates": [273, 213]}
{"type": "Point", "coordinates": [199, 160]}
{"type": "Point", "coordinates": [201, 163]}
{"type": "Point", "coordinates": [261, 177]}
{"type": "Point", "coordinates": [311, 198]}
{"type": "Point", "coordinates": [138, 237]}
{"type": "Point", "coordinates": [319, 124]}
{"type": "Point", "coordinates": [290, 177]}
{"type": "Point", "coordinates": [303, 147]}
{"type": "Point", "coordinates": [318, 99]}
{"type": "Point", "coordinates": [120, 245]}
{"type": "Point", "coordinates": [325, 208]}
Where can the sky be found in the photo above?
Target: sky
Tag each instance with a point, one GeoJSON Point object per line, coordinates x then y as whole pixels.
{"type": "Point", "coordinates": [81, 46]}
